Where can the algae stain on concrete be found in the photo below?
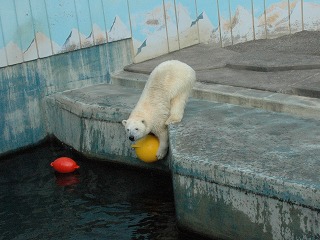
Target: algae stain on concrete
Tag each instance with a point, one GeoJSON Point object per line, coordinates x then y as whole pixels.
{"type": "Point", "coordinates": [228, 212]}
{"type": "Point", "coordinates": [103, 137]}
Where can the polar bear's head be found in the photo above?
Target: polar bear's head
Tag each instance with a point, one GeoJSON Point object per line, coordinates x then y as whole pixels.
{"type": "Point", "coordinates": [135, 128]}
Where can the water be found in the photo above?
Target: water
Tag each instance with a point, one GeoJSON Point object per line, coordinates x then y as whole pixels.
{"type": "Point", "coordinates": [99, 201]}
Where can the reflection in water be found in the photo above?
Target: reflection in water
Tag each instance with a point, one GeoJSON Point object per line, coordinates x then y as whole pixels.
{"type": "Point", "coordinates": [67, 179]}
{"type": "Point", "coordinates": [98, 201]}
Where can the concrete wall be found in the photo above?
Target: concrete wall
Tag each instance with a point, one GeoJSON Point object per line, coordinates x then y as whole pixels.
{"type": "Point", "coordinates": [24, 86]}
{"type": "Point", "coordinates": [31, 29]}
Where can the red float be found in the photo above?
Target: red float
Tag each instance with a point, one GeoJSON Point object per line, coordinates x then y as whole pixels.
{"type": "Point", "coordinates": [64, 165]}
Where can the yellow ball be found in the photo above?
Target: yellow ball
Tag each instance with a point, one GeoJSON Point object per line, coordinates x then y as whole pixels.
{"type": "Point", "coordinates": [146, 148]}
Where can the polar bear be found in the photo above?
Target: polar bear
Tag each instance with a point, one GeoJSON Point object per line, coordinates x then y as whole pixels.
{"type": "Point", "coordinates": [161, 103]}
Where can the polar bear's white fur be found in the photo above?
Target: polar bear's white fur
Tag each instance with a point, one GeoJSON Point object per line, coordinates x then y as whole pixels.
{"type": "Point", "coordinates": [162, 102]}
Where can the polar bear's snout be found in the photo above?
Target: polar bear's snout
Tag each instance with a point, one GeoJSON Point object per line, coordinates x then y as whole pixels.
{"type": "Point", "coordinates": [135, 129]}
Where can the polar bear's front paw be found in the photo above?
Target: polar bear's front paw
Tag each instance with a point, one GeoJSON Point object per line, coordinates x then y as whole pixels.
{"type": "Point", "coordinates": [173, 119]}
{"type": "Point", "coordinates": [161, 153]}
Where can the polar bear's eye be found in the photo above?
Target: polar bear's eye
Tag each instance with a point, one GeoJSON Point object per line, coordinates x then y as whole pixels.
{"type": "Point", "coordinates": [137, 129]}
{"type": "Point", "coordinates": [128, 129]}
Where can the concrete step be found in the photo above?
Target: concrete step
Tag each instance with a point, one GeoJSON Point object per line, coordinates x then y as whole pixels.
{"type": "Point", "coordinates": [306, 107]}
{"type": "Point", "coordinates": [271, 61]}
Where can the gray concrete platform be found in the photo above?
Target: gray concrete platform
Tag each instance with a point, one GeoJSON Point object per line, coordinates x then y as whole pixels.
{"type": "Point", "coordinates": [245, 173]}
{"type": "Point", "coordinates": [254, 150]}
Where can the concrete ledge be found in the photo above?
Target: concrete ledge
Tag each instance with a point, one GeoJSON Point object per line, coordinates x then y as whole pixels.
{"type": "Point", "coordinates": [89, 120]}
{"type": "Point", "coordinates": [272, 61]}
{"type": "Point", "coordinates": [238, 170]}
{"type": "Point", "coordinates": [305, 107]}
{"type": "Point", "coordinates": [129, 79]}
{"type": "Point", "coordinates": [263, 152]}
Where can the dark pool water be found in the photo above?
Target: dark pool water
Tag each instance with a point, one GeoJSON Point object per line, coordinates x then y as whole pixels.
{"type": "Point", "coordinates": [99, 201]}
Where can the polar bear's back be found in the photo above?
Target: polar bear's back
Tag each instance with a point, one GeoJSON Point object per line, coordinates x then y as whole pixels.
{"type": "Point", "coordinates": [168, 80]}
{"type": "Point", "coordinates": [171, 77]}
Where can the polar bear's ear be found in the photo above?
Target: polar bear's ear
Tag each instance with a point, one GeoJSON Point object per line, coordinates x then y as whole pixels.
{"type": "Point", "coordinates": [124, 122]}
